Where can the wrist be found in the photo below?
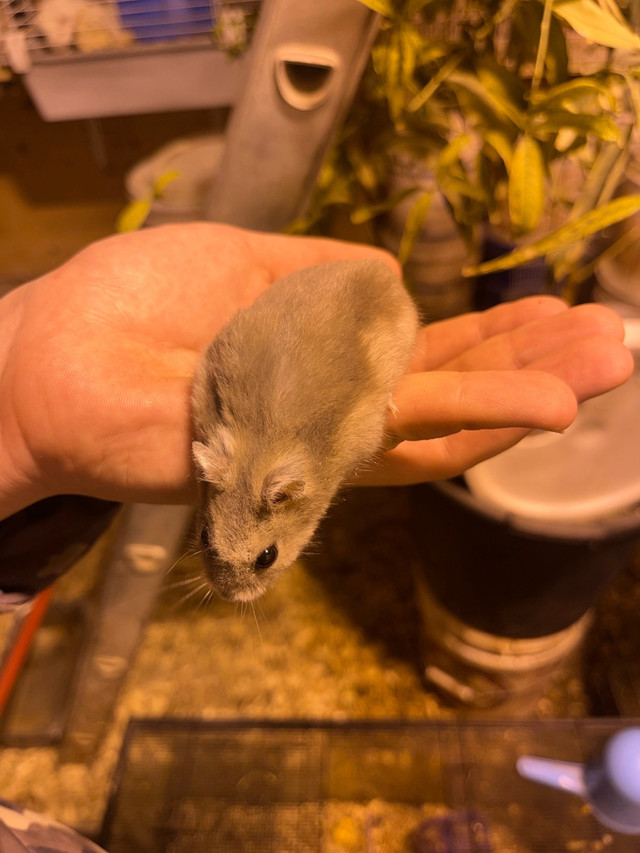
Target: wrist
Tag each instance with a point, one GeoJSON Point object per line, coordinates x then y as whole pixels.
{"type": "Point", "coordinates": [13, 500]}
{"type": "Point", "coordinates": [21, 484]}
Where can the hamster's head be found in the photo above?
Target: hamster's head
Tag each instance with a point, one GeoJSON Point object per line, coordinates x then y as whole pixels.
{"type": "Point", "coordinates": [257, 516]}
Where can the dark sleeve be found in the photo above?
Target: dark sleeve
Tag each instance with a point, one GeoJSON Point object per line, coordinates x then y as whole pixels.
{"type": "Point", "coordinates": [43, 541]}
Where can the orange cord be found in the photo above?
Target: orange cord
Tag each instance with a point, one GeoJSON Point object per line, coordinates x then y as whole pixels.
{"type": "Point", "coordinates": [22, 644]}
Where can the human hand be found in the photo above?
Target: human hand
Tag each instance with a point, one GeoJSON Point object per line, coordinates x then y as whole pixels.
{"type": "Point", "coordinates": [480, 382]}
{"type": "Point", "coordinates": [97, 358]}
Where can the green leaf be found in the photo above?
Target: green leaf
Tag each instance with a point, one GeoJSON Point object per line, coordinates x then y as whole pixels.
{"type": "Point", "coordinates": [463, 187]}
{"type": "Point", "coordinates": [501, 144]}
{"type": "Point", "coordinates": [163, 181]}
{"type": "Point", "coordinates": [499, 104]}
{"type": "Point", "coordinates": [566, 137]}
{"type": "Point", "coordinates": [450, 155]}
{"type": "Point", "coordinates": [379, 58]}
{"type": "Point", "coordinates": [595, 24]}
{"type": "Point", "coordinates": [299, 226]}
{"type": "Point", "coordinates": [602, 126]}
{"type": "Point", "coordinates": [363, 166]}
{"type": "Point", "coordinates": [570, 233]}
{"type": "Point", "coordinates": [134, 215]}
{"type": "Point", "coordinates": [501, 83]}
{"type": "Point", "coordinates": [382, 7]}
{"type": "Point", "coordinates": [571, 92]}
{"type": "Point", "coordinates": [451, 174]}
{"type": "Point", "coordinates": [393, 87]}
{"type": "Point", "coordinates": [526, 185]}
{"type": "Point", "coordinates": [369, 211]}
{"type": "Point", "coordinates": [413, 226]}
{"type": "Point", "coordinates": [410, 44]}
{"type": "Point", "coordinates": [339, 192]}
{"type": "Point", "coordinates": [434, 83]}
{"type": "Point", "coordinates": [433, 51]}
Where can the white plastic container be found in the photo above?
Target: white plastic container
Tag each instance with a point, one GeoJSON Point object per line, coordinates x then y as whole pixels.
{"type": "Point", "coordinates": [196, 160]}
{"type": "Point", "coordinates": [512, 563]}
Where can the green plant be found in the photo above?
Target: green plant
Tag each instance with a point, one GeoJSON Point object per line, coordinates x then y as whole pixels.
{"type": "Point", "coordinates": [134, 215]}
{"type": "Point", "coordinates": [487, 97]}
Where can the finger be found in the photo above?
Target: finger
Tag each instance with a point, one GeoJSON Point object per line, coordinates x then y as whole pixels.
{"type": "Point", "coordinates": [444, 340]}
{"type": "Point", "coordinates": [525, 344]}
{"type": "Point", "coordinates": [590, 366]}
{"type": "Point", "coordinates": [430, 405]}
{"type": "Point", "coordinates": [438, 458]}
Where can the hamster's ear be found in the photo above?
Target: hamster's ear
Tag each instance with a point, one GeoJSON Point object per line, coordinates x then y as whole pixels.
{"type": "Point", "coordinates": [282, 485]}
{"type": "Point", "coordinates": [212, 464]}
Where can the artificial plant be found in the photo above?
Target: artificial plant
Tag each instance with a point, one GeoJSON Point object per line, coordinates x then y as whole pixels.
{"type": "Point", "coordinates": [492, 100]}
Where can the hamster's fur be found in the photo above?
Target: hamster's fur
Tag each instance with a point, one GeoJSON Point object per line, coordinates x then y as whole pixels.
{"type": "Point", "coordinates": [288, 401]}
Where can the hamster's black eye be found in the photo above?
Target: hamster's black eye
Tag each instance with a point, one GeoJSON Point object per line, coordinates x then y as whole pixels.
{"type": "Point", "coordinates": [204, 537]}
{"type": "Point", "coordinates": [266, 558]}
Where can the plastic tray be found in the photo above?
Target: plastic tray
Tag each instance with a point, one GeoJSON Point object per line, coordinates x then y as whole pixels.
{"type": "Point", "coordinates": [375, 787]}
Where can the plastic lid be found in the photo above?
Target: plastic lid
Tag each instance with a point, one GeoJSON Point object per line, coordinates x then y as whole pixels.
{"type": "Point", "coordinates": [589, 472]}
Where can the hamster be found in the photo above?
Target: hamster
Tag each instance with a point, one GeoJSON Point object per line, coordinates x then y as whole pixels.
{"type": "Point", "coordinates": [288, 401]}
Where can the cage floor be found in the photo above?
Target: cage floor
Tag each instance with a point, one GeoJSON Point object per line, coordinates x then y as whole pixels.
{"type": "Point", "coordinates": [373, 787]}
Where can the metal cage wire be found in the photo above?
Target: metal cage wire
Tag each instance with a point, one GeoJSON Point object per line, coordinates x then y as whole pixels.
{"type": "Point", "coordinates": [35, 31]}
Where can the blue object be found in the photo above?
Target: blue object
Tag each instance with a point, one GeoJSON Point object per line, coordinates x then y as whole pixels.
{"type": "Point", "coordinates": [463, 831]}
{"type": "Point", "coordinates": [156, 20]}
{"type": "Point", "coordinates": [613, 782]}
{"type": "Point", "coordinates": [610, 783]}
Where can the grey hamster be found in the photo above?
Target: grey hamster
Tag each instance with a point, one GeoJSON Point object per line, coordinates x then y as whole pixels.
{"type": "Point", "coordinates": [289, 400]}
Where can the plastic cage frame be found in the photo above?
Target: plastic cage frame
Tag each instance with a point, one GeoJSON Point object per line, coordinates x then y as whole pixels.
{"type": "Point", "coordinates": [264, 786]}
{"type": "Point", "coordinates": [94, 58]}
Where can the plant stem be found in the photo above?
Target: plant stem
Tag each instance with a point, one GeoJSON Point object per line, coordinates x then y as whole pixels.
{"type": "Point", "coordinates": [432, 86]}
{"type": "Point", "coordinates": [543, 45]}
{"type": "Point", "coordinates": [604, 176]}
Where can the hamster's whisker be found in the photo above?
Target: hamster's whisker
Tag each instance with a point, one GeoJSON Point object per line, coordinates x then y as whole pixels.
{"type": "Point", "coordinates": [191, 593]}
{"type": "Point", "coordinates": [205, 599]}
{"type": "Point", "coordinates": [186, 554]}
{"type": "Point", "coordinates": [260, 610]}
{"type": "Point", "coordinates": [184, 582]}
{"type": "Point", "coordinates": [315, 544]}
{"type": "Point", "coordinates": [255, 619]}
{"type": "Point", "coordinates": [175, 563]}
{"type": "Point", "coordinates": [371, 463]}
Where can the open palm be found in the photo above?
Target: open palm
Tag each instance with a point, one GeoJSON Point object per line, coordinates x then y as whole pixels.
{"type": "Point", "coordinates": [97, 358]}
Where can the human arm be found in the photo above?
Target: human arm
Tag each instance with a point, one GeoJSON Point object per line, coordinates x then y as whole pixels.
{"type": "Point", "coordinates": [97, 356]}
